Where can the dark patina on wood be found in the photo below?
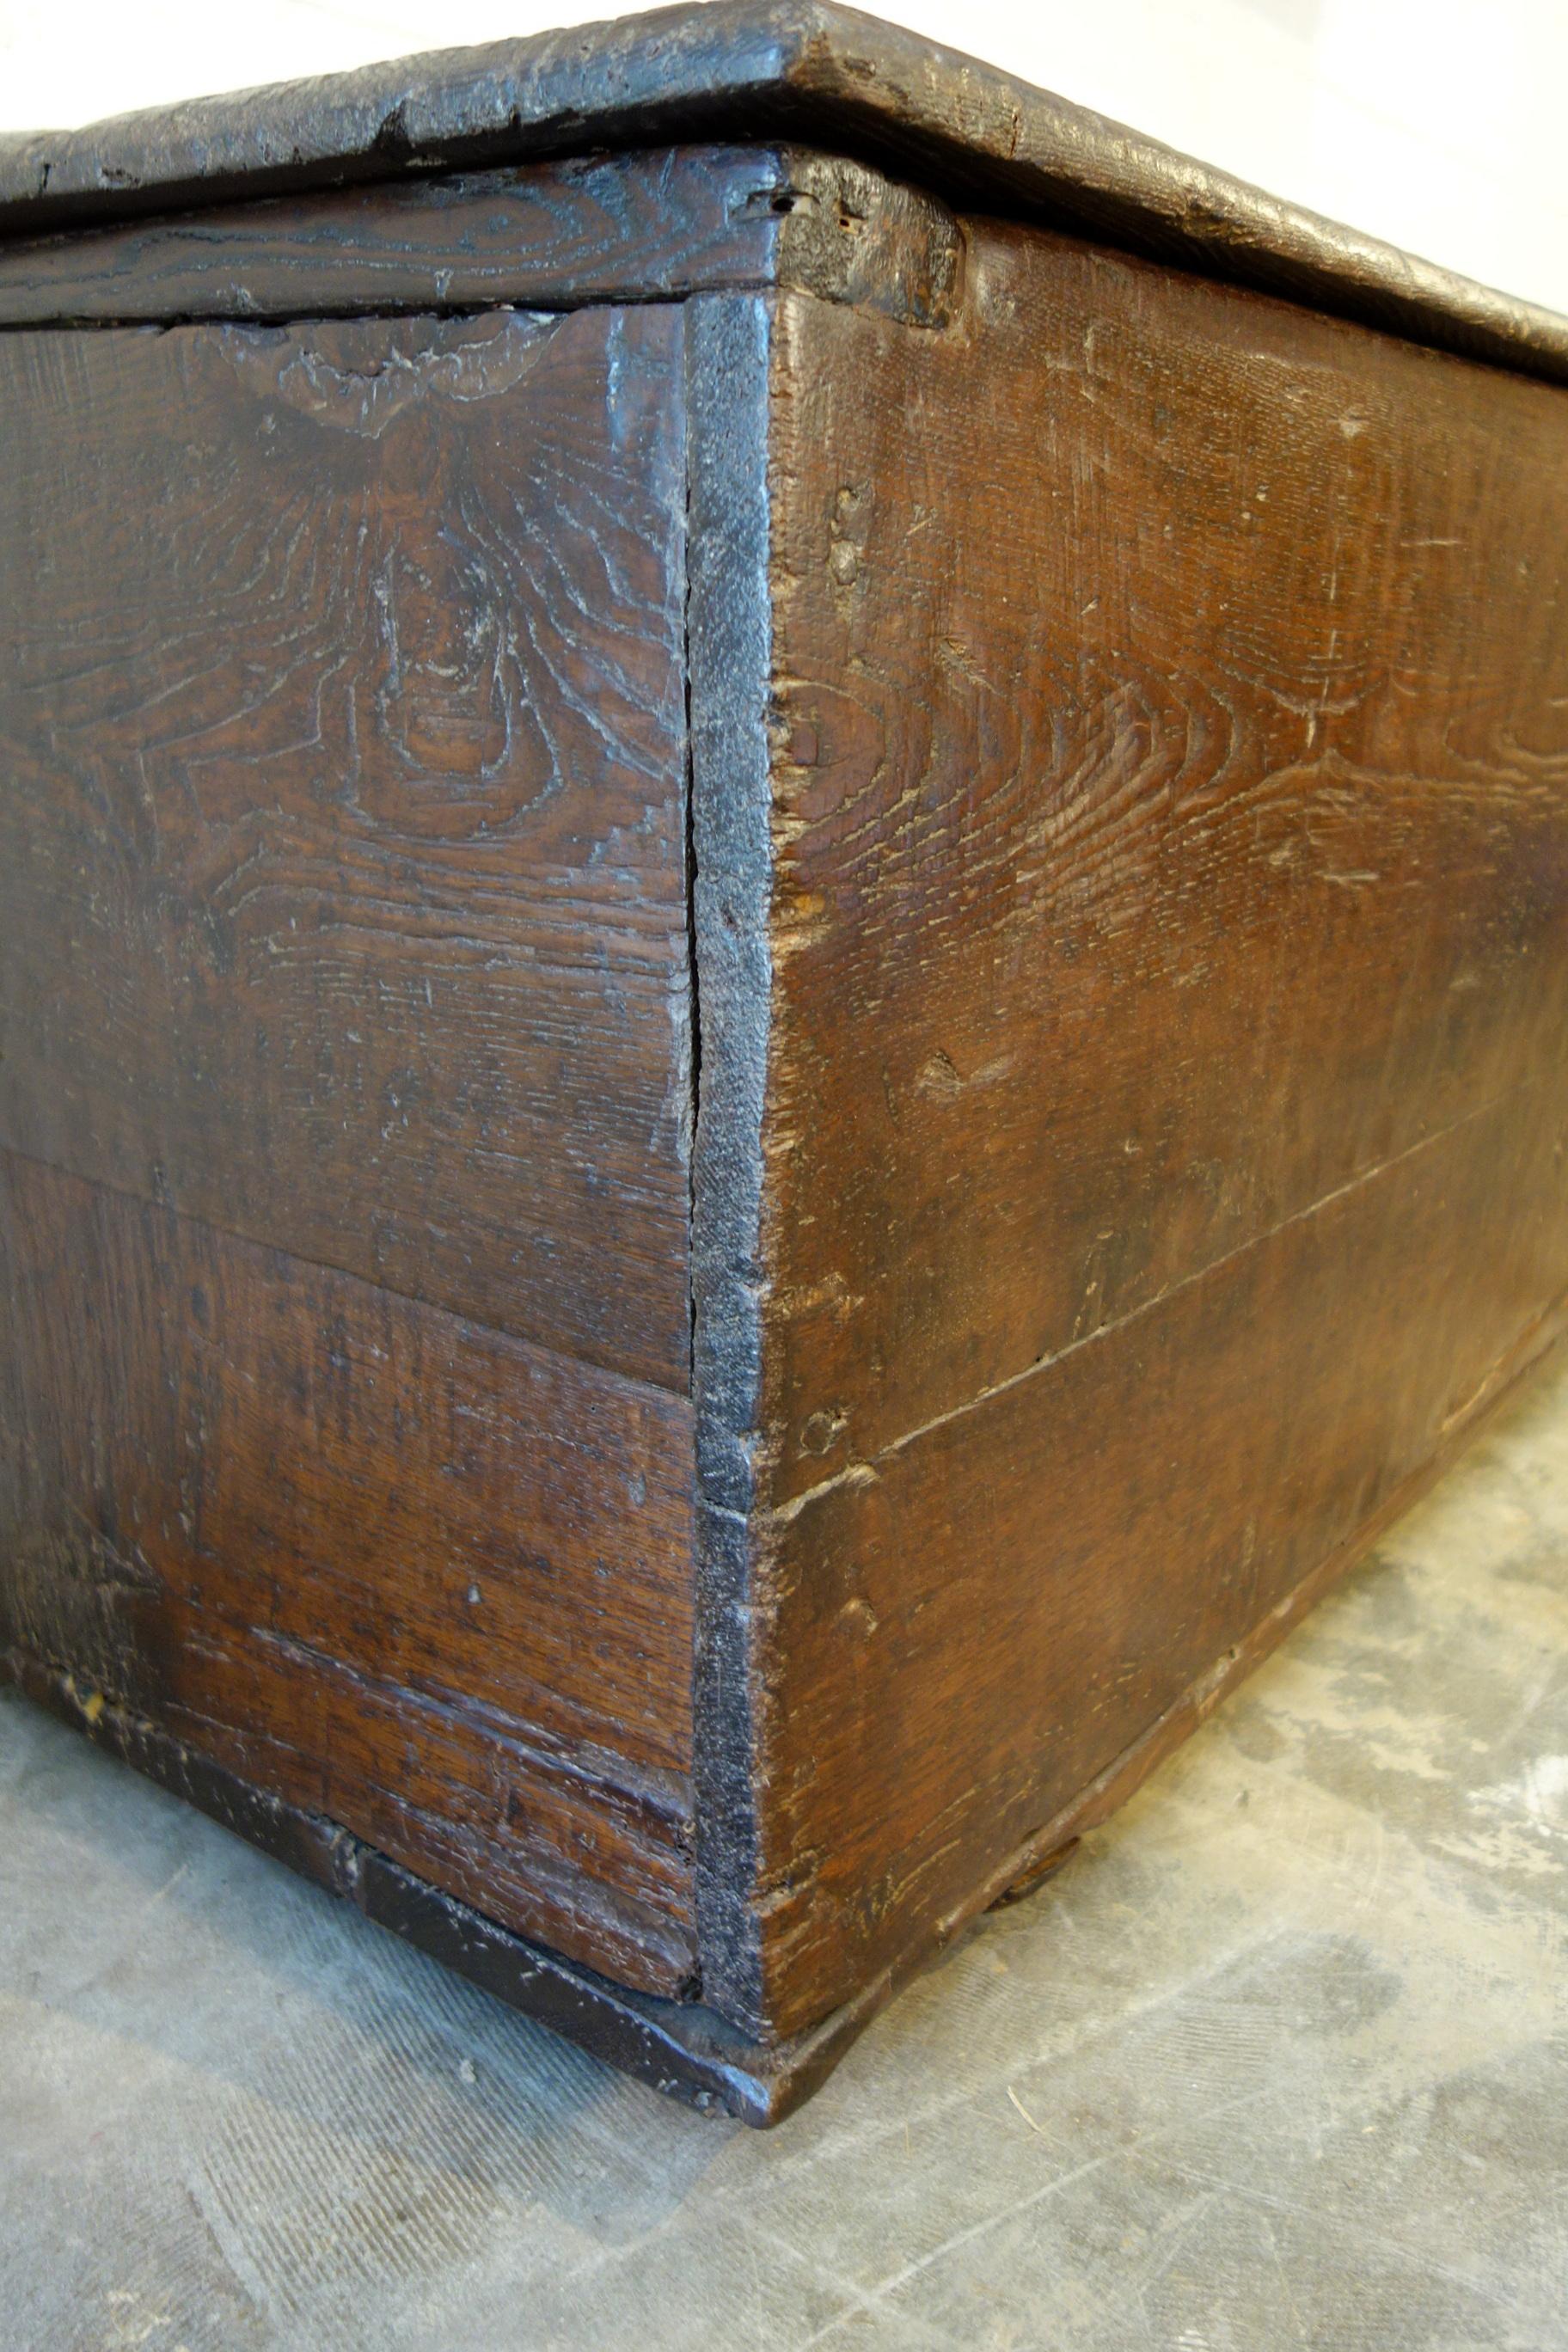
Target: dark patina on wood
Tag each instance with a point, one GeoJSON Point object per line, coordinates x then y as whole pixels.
{"type": "Point", "coordinates": [758, 69]}
{"type": "Point", "coordinates": [1166, 1122]}
{"type": "Point", "coordinates": [783, 980]}
{"type": "Point", "coordinates": [688, 220]}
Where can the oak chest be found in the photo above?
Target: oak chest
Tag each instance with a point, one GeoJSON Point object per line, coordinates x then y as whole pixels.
{"type": "Point", "coordinates": [783, 974]}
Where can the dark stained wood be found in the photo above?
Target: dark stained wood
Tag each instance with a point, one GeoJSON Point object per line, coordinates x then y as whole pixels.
{"type": "Point", "coordinates": [410, 1574]}
{"type": "Point", "coordinates": [553, 235]}
{"type": "Point", "coordinates": [1171, 827]}
{"type": "Point", "coordinates": [760, 69]}
{"type": "Point", "coordinates": [968, 1636]}
{"type": "Point", "coordinates": [550, 235]}
{"type": "Point", "coordinates": [730, 619]}
{"type": "Point", "coordinates": [777, 1030]}
{"type": "Point", "coordinates": [677, 2046]}
{"type": "Point", "coordinates": [1164, 1136]}
{"type": "Point", "coordinates": [343, 841]}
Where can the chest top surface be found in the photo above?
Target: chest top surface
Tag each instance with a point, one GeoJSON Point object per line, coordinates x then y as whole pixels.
{"type": "Point", "coordinates": [762, 70]}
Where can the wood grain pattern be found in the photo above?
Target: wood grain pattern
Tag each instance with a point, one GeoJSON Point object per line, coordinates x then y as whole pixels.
{"type": "Point", "coordinates": [418, 1577]}
{"type": "Point", "coordinates": [1169, 1007]}
{"type": "Point", "coordinates": [1125, 853]}
{"type": "Point", "coordinates": [675, 2046]}
{"type": "Point", "coordinates": [342, 848]}
{"type": "Point", "coordinates": [674, 222]}
{"type": "Point", "coordinates": [1109, 839]}
{"type": "Point", "coordinates": [761, 69]}
{"type": "Point", "coordinates": [551, 235]}
{"type": "Point", "coordinates": [974, 1631]}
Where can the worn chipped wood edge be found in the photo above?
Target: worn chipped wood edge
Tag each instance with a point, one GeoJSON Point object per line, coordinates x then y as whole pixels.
{"type": "Point", "coordinates": [730, 670]}
{"type": "Point", "coordinates": [686, 2051]}
{"type": "Point", "coordinates": [679, 2047]}
{"type": "Point", "coordinates": [642, 225]}
{"type": "Point", "coordinates": [731, 735]}
{"type": "Point", "coordinates": [757, 70]}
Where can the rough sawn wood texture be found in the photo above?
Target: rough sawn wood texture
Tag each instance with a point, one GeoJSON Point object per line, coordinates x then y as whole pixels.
{"type": "Point", "coordinates": [345, 1088]}
{"type": "Point", "coordinates": [810, 70]}
{"type": "Point", "coordinates": [783, 979]}
{"type": "Point", "coordinates": [1164, 1139]}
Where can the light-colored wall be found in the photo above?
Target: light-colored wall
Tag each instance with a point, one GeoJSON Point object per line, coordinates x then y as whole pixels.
{"type": "Point", "coordinates": [1437, 124]}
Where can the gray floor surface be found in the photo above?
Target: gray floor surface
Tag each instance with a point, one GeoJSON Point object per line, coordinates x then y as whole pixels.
{"type": "Point", "coordinates": [1280, 2060]}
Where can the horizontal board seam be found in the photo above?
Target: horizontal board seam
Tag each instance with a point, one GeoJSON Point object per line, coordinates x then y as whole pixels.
{"type": "Point", "coordinates": [863, 1472]}
{"type": "Point", "coordinates": [368, 310]}
{"type": "Point", "coordinates": [129, 1732]}
{"type": "Point", "coordinates": [653, 1391]}
{"type": "Point", "coordinates": [665, 1797]}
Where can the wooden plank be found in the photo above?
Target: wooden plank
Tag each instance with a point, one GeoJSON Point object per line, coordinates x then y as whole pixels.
{"type": "Point", "coordinates": [414, 1575]}
{"type": "Point", "coordinates": [976, 1628]}
{"type": "Point", "coordinates": [551, 235]}
{"type": "Point", "coordinates": [341, 846]}
{"type": "Point", "coordinates": [756, 69]}
{"type": "Point", "coordinates": [674, 222]}
{"type": "Point", "coordinates": [1169, 948]}
{"type": "Point", "coordinates": [677, 2046]}
{"type": "Point", "coordinates": [1174, 736]}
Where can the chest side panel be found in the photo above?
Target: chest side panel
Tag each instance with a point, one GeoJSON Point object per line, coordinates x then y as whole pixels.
{"type": "Point", "coordinates": [1163, 1154]}
{"type": "Point", "coordinates": [343, 1098]}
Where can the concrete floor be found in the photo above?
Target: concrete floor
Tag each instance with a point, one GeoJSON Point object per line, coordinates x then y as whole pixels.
{"type": "Point", "coordinates": [1279, 2059]}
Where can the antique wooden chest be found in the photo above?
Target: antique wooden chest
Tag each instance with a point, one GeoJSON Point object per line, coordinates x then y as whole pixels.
{"type": "Point", "coordinates": [784, 964]}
